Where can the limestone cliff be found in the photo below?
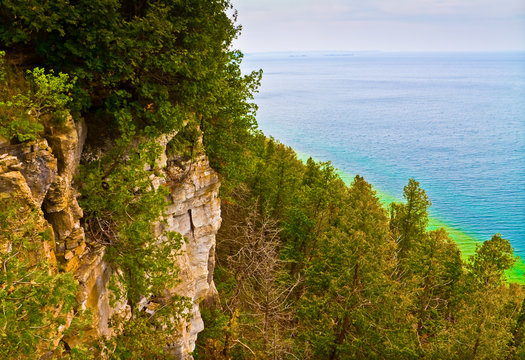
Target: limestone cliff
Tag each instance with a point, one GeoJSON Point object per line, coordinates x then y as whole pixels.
{"type": "Point", "coordinates": [194, 212]}
{"type": "Point", "coordinates": [44, 171]}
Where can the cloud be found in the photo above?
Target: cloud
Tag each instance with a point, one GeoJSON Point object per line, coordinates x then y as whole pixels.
{"type": "Point", "coordinates": [314, 24]}
{"type": "Point", "coordinates": [383, 9]}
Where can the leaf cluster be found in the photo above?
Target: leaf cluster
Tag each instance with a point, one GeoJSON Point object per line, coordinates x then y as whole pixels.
{"type": "Point", "coordinates": [26, 102]}
{"type": "Point", "coordinates": [146, 335]}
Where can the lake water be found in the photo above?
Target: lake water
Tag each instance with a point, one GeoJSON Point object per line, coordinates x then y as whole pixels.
{"type": "Point", "coordinates": [454, 122]}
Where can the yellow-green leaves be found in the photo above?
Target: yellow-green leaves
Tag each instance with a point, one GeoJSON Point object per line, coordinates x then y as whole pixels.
{"type": "Point", "coordinates": [26, 103]}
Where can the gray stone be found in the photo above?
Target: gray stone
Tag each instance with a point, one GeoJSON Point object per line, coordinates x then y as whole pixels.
{"type": "Point", "coordinates": [36, 164]}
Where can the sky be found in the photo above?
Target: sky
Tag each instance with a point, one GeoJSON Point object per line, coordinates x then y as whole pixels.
{"type": "Point", "coordinates": [381, 25]}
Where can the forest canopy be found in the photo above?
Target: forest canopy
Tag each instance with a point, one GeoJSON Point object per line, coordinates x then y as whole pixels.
{"type": "Point", "coordinates": [151, 65]}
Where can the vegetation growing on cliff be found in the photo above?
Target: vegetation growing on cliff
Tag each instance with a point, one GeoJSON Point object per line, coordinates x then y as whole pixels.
{"type": "Point", "coordinates": [149, 63]}
{"type": "Point", "coordinates": [307, 267]}
{"type": "Point", "coordinates": [35, 301]}
{"type": "Point", "coordinates": [27, 101]}
{"type": "Point", "coordinates": [140, 70]}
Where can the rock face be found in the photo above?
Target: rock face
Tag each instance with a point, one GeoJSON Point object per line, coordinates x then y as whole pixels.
{"type": "Point", "coordinates": [13, 184]}
{"type": "Point", "coordinates": [42, 175]}
{"type": "Point", "coordinates": [194, 212]}
{"type": "Point", "coordinates": [35, 163]}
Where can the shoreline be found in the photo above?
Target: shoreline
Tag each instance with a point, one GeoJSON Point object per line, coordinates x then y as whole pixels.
{"type": "Point", "coordinates": [466, 243]}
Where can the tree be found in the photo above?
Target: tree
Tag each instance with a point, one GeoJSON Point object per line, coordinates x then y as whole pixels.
{"type": "Point", "coordinates": [120, 207]}
{"type": "Point", "coordinates": [28, 102]}
{"type": "Point", "coordinates": [488, 265]}
{"type": "Point", "coordinates": [347, 309]}
{"type": "Point", "coordinates": [153, 64]}
{"type": "Point", "coordinates": [143, 68]}
{"type": "Point", "coordinates": [484, 315]}
{"type": "Point", "coordinates": [315, 209]}
{"type": "Point", "coordinates": [258, 299]}
{"type": "Point", "coordinates": [409, 221]}
{"type": "Point", "coordinates": [437, 268]}
{"type": "Point", "coordinates": [517, 345]}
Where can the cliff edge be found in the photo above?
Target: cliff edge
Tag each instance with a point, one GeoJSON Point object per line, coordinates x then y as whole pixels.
{"type": "Point", "coordinates": [41, 174]}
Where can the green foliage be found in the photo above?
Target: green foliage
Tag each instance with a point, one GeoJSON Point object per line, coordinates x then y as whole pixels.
{"type": "Point", "coordinates": [23, 129]}
{"type": "Point", "coordinates": [409, 221]}
{"type": "Point", "coordinates": [172, 57]}
{"type": "Point", "coordinates": [228, 133]}
{"type": "Point", "coordinates": [486, 314]}
{"type": "Point", "coordinates": [25, 104]}
{"type": "Point", "coordinates": [345, 312]}
{"type": "Point", "coordinates": [145, 336]}
{"type": "Point", "coordinates": [491, 260]}
{"type": "Point", "coordinates": [2, 67]}
{"type": "Point", "coordinates": [216, 332]}
{"type": "Point", "coordinates": [120, 207]}
{"type": "Point", "coordinates": [308, 268]}
{"type": "Point", "coordinates": [139, 340]}
{"type": "Point", "coordinates": [433, 271]}
{"type": "Point", "coordinates": [79, 352]}
{"type": "Point", "coordinates": [34, 300]}
{"type": "Point", "coordinates": [371, 286]}
{"type": "Point", "coordinates": [50, 95]}
{"type": "Point", "coordinates": [517, 344]}
{"type": "Point", "coordinates": [143, 69]}
{"type": "Point", "coordinates": [185, 145]}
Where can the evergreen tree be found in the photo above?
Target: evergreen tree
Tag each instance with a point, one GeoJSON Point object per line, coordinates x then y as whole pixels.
{"type": "Point", "coordinates": [344, 311]}
{"type": "Point", "coordinates": [408, 221]}
{"type": "Point", "coordinates": [484, 316]}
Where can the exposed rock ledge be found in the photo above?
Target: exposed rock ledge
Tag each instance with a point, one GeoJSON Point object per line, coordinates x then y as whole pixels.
{"type": "Point", "coordinates": [44, 170]}
{"type": "Point", "coordinates": [194, 212]}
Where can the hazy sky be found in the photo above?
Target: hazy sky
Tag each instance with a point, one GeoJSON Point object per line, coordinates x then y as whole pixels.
{"type": "Point", "coordinates": [388, 25]}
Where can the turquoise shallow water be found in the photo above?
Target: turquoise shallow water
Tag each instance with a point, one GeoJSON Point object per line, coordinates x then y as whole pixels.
{"type": "Point", "coordinates": [455, 122]}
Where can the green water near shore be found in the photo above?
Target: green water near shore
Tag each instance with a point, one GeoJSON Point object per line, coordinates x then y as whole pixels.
{"type": "Point", "coordinates": [466, 242]}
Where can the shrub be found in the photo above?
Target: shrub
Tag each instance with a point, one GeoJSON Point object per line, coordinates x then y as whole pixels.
{"type": "Point", "coordinates": [24, 103]}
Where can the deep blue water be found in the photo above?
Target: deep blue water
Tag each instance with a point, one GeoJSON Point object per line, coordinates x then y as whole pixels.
{"type": "Point", "coordinates": [454, 122]}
